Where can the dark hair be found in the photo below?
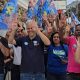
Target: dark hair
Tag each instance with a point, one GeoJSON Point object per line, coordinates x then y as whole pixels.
{"type": "Point", "coordinates": [77, 25]}
{"type": "Point", "coordinates": [51, 38]}
{"type": "Point", "coordinates": [61, 43]}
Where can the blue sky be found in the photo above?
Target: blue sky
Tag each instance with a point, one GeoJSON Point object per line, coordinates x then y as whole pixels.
{"type": "Point", "coordinates": [70, 1]}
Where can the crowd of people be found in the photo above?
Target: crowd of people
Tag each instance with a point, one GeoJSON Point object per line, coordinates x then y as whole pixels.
{"type": "Point", "coordinates": [48, 52]}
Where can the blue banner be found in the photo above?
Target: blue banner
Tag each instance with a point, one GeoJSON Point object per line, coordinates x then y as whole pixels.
{"type": "Point", "coordinates": [3, 26]}
{"type": "Point", "coordinates": [10, 8]}
{"type": "Point", "coordinates": [74, 18]}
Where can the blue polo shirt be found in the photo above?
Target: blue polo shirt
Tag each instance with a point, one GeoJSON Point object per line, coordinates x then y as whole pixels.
{"type": "Point", "coordinates": [32, 54]}
{"type": "Point", "coordinates": [54, 62]}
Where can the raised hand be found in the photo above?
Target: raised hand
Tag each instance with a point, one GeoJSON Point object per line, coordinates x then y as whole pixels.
{"type": "Point", "coordinates": [35, 27]}
{"type": "Point", "coordinates": [78, 42]}
{"type": "Point", "coordinates": [49, 30]}
{"type": "Point", "coordinates": [44, 17]}
{"type": "Point", "coordinates": [0, 45]}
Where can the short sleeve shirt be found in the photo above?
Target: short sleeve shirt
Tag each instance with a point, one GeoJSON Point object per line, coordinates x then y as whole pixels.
{"type": "Point", "coordinates": [32, 54]}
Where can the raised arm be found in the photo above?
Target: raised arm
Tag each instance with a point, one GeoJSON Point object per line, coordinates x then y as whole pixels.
{"type": "Point", "coordinates": [11, 39]}
{"type": "Point", "coordinates": [77, 53]}
{"type": "Point", "coordinates": [4, 50]}
{"type": "Point", "coordinates": [45, 40]}
{"type": "Point", "coordinates": [13, 28]}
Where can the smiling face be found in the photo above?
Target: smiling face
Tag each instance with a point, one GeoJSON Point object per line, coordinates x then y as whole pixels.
{"type": "Point", "coordinates": [30, 28]}
{"type": "Point", "coordinates": [77, 30]}
{"type": "Point", "coordinates": [56, 39]}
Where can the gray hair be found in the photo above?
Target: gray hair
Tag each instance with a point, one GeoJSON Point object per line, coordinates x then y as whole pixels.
{"type": "Point", "coordinates": [28, 21]}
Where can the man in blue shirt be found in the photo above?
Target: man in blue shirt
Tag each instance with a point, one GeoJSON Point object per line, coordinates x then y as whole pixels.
{"type": "Point", "coordinates": [32, 66]}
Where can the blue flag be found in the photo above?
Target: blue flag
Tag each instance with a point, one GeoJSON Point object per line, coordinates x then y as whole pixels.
{"type": "Point", "coordinates": [30, 13]}
{"type": "Point", "coordinates": [42, 10]}
{"type": "Point", "coordinates": [33, 11]}
{"type": "Point", "coordinates": [3, 26]}
{"type": "Point", "coordinates": [74, 18]}
{"type": "Point", "coordinates": [39, 16]}
{"type": "Point", "coordinates": [10, 8]}
{"type": "Point", "coordinates": [46, 5]}
{"type": "Point", "coordinates": [13, 1]}
{"type": "Point", "coordinates": [52, 10]}
{"type": "Point", "coordinates": [39, 2]}
{"type": "Point", "coordinates": [1, 18]}
{"type": "Point", "coordinates": [36, 7]}
{"type": "Point", "coordinates": [16, 4]}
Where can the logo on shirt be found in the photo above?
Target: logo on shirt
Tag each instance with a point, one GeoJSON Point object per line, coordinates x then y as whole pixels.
{"type": "Point", "coordinates": [25, 43]}
{"type": "Point", "coordinates": [35, 43]}
{"type": "Point", "coordinates": [58, 52]}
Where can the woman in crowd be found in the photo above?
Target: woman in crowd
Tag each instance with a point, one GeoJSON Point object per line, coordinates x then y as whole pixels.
{"type": "Point", "coordinates": [73, 67]}
{"type": "Point", "coordinates": [57, 59]}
